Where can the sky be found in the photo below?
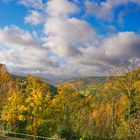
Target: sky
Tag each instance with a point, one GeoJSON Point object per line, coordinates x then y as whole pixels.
{"type": "Point", "coordinates": [68, 37]}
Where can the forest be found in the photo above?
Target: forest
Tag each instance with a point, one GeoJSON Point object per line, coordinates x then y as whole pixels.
{"type": "Point", "coordinates": [77, 110]}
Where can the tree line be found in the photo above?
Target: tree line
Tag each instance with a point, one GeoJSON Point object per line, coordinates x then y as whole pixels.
{"type": "Point", "coordinates": [31, 106]}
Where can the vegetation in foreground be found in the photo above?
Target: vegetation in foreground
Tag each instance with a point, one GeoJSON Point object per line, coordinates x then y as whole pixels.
{"type": "Point", "coordinates": [97, 111]}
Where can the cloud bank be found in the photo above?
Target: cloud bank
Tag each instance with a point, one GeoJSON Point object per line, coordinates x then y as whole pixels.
{"type": "Point", "coordinates": [69, 45]}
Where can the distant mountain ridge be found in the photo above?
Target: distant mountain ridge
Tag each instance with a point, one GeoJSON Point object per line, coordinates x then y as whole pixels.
{"type": "Point", "coordinates": [56, 80]}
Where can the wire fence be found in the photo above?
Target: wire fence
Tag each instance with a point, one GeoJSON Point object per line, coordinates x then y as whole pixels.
{"type": "Point", "coordinates": [24, 136]}
{"type": "Point", "coordinates": [28, 136]}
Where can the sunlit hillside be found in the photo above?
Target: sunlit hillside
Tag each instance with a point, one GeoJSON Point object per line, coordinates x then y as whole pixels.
{"type": "Point", "coordinates": [74, 110]}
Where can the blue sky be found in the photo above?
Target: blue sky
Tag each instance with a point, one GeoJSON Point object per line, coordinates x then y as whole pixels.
{"type": "Point", "coordinates": [68, 37]}
{"type": "Point", "coordinates": [12, 13]}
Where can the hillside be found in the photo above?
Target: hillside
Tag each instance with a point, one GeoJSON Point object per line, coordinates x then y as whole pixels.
{"type": "Point", "coordinates": [57, 80]}
{"type": "Point", "coordinates": [87, 80]}
{"type": "Point", "coordinates": [85, 85]}
{"type": "Point", "coordinates": [18, 78]}
{"type": "Point", "coordinates": [27, 106]}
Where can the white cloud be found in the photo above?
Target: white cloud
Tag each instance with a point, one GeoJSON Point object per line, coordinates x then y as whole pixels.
{"type": "Point", "coordinates": [14, 36]}
{"type": "Point", "coordinates": [34, 18]}
{"type": "Point", "coordinates": [113, 50]}
{"type": "Point", "coordinates": [105, 10]}
{"type": "Point", "coordinates": [20, 51]}
{"type": "Point", "coordinates": [85, 51]}
{"type": "Point", "coordinates": [35, 4]}
{"type": "Point", "coordinates": [61, 8]}
{"type": "Point", "coordinates": [123, 44]}
{"type": "Point", "coordinates": [64, 34]}
{"type": "Point", "coordinates": [69, 38]}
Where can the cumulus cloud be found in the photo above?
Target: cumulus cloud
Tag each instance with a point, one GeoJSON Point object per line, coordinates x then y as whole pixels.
{"type": "Point", "coordinates": [34, 18]}
{"type": "Point", "coordinates": [21, 51]}
{"type": "Point", "coordinates": [35, 4]}
{"type": "Point", "coordinates": [123, 45]}
{"type": "Point", "coordinates": [14, 36]}
{"type": "Point", "coordinates": [86, 51]}
{"type": "Point", "coordinates": [64, 34]}
{"type": "Point", "coordinates": [62, 8]}
{"type": "Point", "coordinates": [114, 50]}
{"type": "Point", "coordinates": [105, 10]}
{"type": "Point", "coordinates": [64, 37]}
{"type": "Point", "coordinates": [67, 37]}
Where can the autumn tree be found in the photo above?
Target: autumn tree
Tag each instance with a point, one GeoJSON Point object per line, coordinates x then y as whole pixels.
{"type": "Point", "coordinates": [7, 86]}
{"type": "Point", "coordinates": [37, 101]}
{"type": "Point", "coordinates": [126, 76]}
{"type": "Point", "coordinates": [70, 107]}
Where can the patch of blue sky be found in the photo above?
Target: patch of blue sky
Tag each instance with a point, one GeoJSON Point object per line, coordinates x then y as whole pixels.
{"type": "Point", "coordinates": [13, 14]}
